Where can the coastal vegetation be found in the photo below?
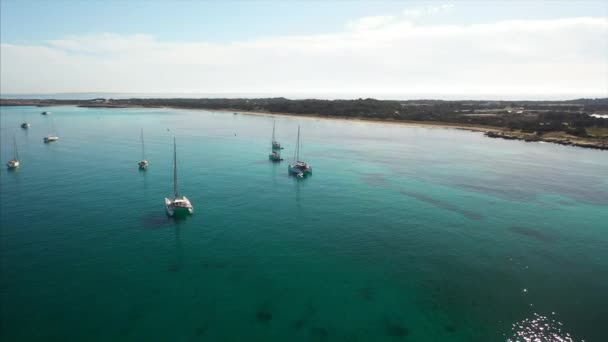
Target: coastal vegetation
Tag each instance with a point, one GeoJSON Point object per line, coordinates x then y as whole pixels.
{"type": "Point", "coordinates": [568, 122]}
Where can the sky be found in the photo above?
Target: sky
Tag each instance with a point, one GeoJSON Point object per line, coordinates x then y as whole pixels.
{"type": "Point", "coordinates": [403, 49]}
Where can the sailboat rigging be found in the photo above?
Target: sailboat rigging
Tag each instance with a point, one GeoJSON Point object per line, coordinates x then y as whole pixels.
{"type": "Point", "coordinates": [52, 136]}
{"type": "Point", "coordinates": [178, 205]}
{"type": "Point", "coordinates": [143, 163]}
{"type": "Point", "coordinates": [275, 154]}
{"type": "Point", "coordinates": [14, 163]}
{"type": "Point", "coordinates": [299, 168]}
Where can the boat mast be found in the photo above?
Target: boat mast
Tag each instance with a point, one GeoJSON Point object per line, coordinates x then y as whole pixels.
{"type": "Point", "coordinates": [15, 145]}
{"type": "Point", "coordinates": [143, 151]}
{"type": "Point", "coordinates": [298, 146]}
{"type": "Point", "coordinates": [273, 124]}
{"type": "Point", "coordinates": [174, 168]}
{"type": "Point", "coordinates": [52, 130]}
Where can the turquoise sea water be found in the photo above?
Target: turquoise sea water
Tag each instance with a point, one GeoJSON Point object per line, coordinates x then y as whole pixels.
{"type": "Point", "coordinates": [402, 233]}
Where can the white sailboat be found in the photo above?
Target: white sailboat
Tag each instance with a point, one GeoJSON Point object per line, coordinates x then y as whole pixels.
{"type": "Point", "coordinates": [14, 163]}
{"type": "Point", "coordinates": [275, 144]}
{"type": "Point", "coordinates": [275, 154]}
{"type": "Point", "coordinates": [143, 163]}
{"type": "Point", "coordinates": [25, 124]}
{"type": "Point", "coordinates": [178, 205]}
{"type": "Point", "coordinates": [299, 168]}
{"type": "Point", "coordinates": [52, 136]}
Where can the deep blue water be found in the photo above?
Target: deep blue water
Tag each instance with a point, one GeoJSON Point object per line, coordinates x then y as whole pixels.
{"type": "Point", "coordinates": [402, 233]}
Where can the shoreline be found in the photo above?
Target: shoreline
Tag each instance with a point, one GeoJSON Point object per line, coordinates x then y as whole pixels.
{"type": "Point", "coordinates": [437, 124]}
{"type": "Point", "coordinates": [489, 131]}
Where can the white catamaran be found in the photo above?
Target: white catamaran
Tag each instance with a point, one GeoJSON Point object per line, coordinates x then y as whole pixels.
{"type": "Point", "coordinates": [299, 168]}
{"type": "Point", "coordinates": [14, 163]}
{"type": "Point", "coordinates": [178, 205]}
{"type": "Point", "coordinates": [143, 163]}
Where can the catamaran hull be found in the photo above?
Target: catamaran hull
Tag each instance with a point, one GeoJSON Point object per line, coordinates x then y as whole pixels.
{"type": "Point", "coordinates": [299, 172]}
{"type": "Point", "coordinates": [177, 211]}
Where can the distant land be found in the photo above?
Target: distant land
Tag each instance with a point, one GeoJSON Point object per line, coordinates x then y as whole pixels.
{"type": "Point", "coordinates": [580, 122]}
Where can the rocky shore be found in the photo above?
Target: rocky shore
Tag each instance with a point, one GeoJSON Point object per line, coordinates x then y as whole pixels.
{"type": "Point", "coordinates": [599, 144]}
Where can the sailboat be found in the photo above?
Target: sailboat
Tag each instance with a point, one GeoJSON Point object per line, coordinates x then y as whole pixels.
{"type": "Point", "coordinates": [299, 168]}
{"type": "Point", "coordinates": [14, 163]}
{"type": "Point", "coordinates": [51, 136]}
{"type": "Point", "coordinates": [274, 155]}
{"type": "Point", "coordinates": [178, 205]}
{"type": "Point", "coordinates": [25, 124]}
{"type": "Point", "coordinates": [143, 163]}
{"type": "Point", "coordinates": [275, 144]}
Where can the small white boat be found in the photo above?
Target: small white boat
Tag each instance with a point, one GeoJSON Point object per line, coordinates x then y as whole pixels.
{"type": "Point", "coordinates": [52, 136]}
{"type": "Point", "coordinates": [25, 124]}
{"type": "Point", "coordinates": [143, 163]}
{"type": "Point", "coordinates": [14, 163]}
{"type": "Point", "coordinates": [45, 113]}
{"type": "Point", "coordinates": [178, 205]}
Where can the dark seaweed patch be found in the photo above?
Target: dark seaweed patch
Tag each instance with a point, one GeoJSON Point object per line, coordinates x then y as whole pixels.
{"type": "Point", "coordinates": [134, 315]}
{"type": "Point", "coordinates": [125, 331]}
{"type": "Point", "coordinates": [367, 293]}
{"type": "Point", "coordinates": [396, 330]}
{"type": "Point", "coordinates": [319, 332]}
{"type": "Point", "coordinates": [263, 316]}
{"type": "Point", "coordinates": [533, 233]}
{"type": "Point", "coordinates": [200, 331]}
{"type": "Point", "coordinates": [299, 324]}
{"type": "Point", "coordinates": [174, 268]}
{"type": "Point", "coordinates": [307, 315]}
{"type": "Point", "coordinates": [374, 179]}
{"type": "Point", "coordinates": [214, 265]}
{"type": "Point", "coordinates": [443, 205]}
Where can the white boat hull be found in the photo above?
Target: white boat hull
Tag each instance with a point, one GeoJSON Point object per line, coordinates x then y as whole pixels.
{"type": "Point", "coordinates": [13, 164]}
{"type": "Point", "coordinates": [178, 206]}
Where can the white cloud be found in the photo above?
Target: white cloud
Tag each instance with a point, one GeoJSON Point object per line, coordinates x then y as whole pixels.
{"type": "Point", "coordinates": [368, 23]}
{"type": "Point", "coordinates": [429, 10]}
{"type": "Point", "coordinates": [373, 55]}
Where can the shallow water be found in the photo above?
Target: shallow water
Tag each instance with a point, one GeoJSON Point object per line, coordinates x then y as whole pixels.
{"type": "Point", "coordinates": [402, 233]}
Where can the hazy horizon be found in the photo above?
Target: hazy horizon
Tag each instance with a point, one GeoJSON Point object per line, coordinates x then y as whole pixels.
{"type": "Point", "coordinates": [327, 96]}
